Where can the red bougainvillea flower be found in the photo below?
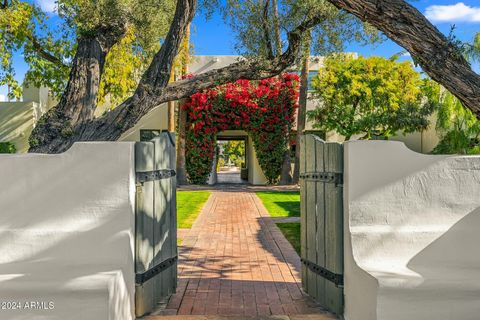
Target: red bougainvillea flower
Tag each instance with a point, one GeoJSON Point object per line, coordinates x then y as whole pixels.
{"type": "Point", "coordinates": [265, 109]}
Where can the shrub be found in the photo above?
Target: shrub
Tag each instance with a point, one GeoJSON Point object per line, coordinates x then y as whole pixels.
{"type": "Point", "coordinates": [7, 147]}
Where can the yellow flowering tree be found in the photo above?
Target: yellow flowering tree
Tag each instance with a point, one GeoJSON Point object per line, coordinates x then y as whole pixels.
{"type": "Point", "coordinates": [371, 97]}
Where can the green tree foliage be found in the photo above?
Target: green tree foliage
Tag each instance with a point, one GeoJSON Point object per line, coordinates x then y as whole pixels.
{"type": "Point", "coordinates": [371, 96]}
{"type": "Point", "coordinates": [234, 151]}
{"type": "Point", "coordinates": [49, 51]}
{"type": "Point", "coordinates": [251, 20]}
{"type": "Point", "coordinates": [458, 127]}
{"type": "Point", "coordinates": [20, 25]}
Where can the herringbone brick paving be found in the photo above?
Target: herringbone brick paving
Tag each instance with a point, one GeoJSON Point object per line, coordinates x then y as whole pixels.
{"type": "Point", "coordinates": [235, 261]}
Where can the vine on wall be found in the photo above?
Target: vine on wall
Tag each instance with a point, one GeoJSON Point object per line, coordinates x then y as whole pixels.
{"type": "Point", "coordinates": [265, 109]}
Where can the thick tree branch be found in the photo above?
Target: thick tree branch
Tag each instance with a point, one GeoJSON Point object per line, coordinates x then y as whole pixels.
{"type": "Point", "coordinates": [245, 69]}
{"type": "Point", "coordinates": [437, 56]}
{"type": "Point", "coordinates": [158, 73]}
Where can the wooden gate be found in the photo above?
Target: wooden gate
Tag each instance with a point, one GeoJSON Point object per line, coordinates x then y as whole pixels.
{"type": "Point", "coordinates": [156, 229]}
{"type": "Point", "coordinates": [321, 192]}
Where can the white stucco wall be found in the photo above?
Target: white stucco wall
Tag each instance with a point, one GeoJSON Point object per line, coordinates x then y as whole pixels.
{"type": "Point", "coordinates": [67, 232]}
{"type": "Point", "coordinates": [412, 226]}
{"type": "Point", "coordinates": [255, 172]}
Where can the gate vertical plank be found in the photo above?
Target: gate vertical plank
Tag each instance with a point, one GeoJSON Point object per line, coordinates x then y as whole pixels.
{"type": "Point", "coordinates": [173, 211]}
{"type": "Point", "coordinates": [334, 226]}
{"type": "Point", "coordinates": [144, 161]}
{"type": "Point", "coordinates": [164, 248]}
{"type": "Point", "coordinates": [311, 221]}
{"type": "Point", "coordinates": [161, 217]}
{"type": "Point", "coordinates": [320, 217]}
{"type": "Point", "coordinates": [303, 211]}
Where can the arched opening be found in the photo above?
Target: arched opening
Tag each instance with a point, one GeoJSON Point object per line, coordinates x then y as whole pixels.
{"type": "Point", "coordinates": [232, 164]}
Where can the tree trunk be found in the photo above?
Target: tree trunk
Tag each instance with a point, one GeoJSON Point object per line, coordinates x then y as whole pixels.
{"type": "Point", "coordinates": [302, 102]}
{"type": "Point", "coordinates": [276, 26]}
{"type": "Point", "coordinates": [438, 56]}
{"type": "Point", "coordinates": [286, 174]}
{"type": "Point", "coordinates": [182, 122]}
{"type": "Point", "coordinates": [171, 108]}
{"type": "Point", "coordinates": [181, 140]}
{"type": "Point", "coordinates": [78, 103]}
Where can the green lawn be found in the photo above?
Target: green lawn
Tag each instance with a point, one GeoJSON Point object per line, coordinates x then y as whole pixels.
{"type": "Point", "coordinates": [189, 204]}
{"type": "Point", "coordinates": [281, 204]}
{"type": "Point", "coordinates": [291, 231]}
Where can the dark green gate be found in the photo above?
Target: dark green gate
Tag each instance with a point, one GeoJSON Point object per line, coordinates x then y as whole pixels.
{"type": "Point", "coordinates": [321, 190]}
{"type": "Point", "coordinates": [156, 229]}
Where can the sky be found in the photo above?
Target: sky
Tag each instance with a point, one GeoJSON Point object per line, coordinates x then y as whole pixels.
{"type": "Point", "coordinates": [214, 37]}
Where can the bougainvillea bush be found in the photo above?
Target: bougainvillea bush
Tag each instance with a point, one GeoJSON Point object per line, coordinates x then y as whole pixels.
{"type": "Point", "coordinates": [265, 109]}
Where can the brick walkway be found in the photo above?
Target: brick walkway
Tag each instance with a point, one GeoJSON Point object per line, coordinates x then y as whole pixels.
{"type": "Point", "coordinates": [234, 261]}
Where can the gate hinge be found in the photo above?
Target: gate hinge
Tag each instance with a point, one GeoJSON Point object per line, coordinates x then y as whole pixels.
{"type": "Point", "coordinates": [336, 278]}
{"type": "Point", "coordinates": [146, 176]}
{"type": "Point", "coordinates": [141, 278]}
{"type": "Point", "coordinates": [327, 177]}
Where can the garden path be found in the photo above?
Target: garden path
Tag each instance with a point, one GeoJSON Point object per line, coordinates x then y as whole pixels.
{"type": "Point", "coordinates": [235, 261]}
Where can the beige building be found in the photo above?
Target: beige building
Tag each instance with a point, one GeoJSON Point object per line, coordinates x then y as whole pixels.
{"type": "Point", "coordinates": [17, 119]}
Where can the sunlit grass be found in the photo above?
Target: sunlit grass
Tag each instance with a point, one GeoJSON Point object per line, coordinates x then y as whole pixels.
{"type": "Point", "coordinates": [281, 204]}
{"type": "Point", "coordinates": [189, 205]}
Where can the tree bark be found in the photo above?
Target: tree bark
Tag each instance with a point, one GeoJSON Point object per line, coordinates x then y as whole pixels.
{"type": "Point", "coordinates": [171, 109]}
{"type": "Point", "coordinates": [276, 26]}
{"type": "Point", "coordinates": [266, 31]}
{"type": "Point", "coordinates": [78, 103]}
{"type": "Point", "coordinates": [152, 90]}
{"type": "Point", "coordinates": [436, 54]}
{"type": "Point", "coordinates": [286, 173]}
{"type": "Point", "coordinates": [302, 102]}
{"type": "Point", "coordinates": [182, 122]}
{"type": "Point", "coordinates": [181, 141]}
